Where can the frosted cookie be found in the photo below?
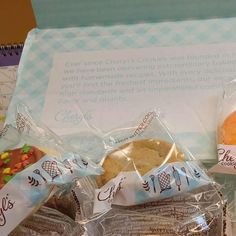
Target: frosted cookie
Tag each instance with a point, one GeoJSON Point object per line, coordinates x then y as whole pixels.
{"type": "Point", "coordinates": [141, 155]}
{"type": "Point", "coordinates": [16, 160]}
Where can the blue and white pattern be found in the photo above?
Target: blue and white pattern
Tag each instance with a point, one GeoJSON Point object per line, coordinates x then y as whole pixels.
{"type": "Point", "coordinates": [129, 188]}
{"type": "Point", "coordinates": [41, 45]}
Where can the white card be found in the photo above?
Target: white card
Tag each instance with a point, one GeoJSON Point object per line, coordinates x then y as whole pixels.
{"type": "Point", "coordinates": [112, 87]}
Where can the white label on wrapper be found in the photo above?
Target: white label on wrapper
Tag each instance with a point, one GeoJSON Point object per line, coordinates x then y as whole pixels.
{"type": "Point", "coordinates": [129, 188]}
{"type": "Point", "coordinates": [29, 188]}
{"type": "Point", "coordinates": [227, 155]}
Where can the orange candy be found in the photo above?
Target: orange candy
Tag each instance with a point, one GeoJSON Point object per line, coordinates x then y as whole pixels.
{"type": "Point", "coordinates": [25, 163]}
{"type": "Point", "coordinates": [14, 171]}
{"type": "Point", "coordinates": [24, 157]}
{"type": "Point", "coordinates": [227, 132]}
{"type": "Point", "coordinates": [18, 165]}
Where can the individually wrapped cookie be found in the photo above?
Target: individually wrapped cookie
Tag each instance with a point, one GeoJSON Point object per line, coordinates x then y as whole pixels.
{"type": "Point", "coordinates": [196, 213]}
{"type": "Point", "coordinates": [144, 165]}
{"type": "Point", "coordinates": [48, 222]}
{"type": "Point", "coordinates": [34, 165]}
{"type": "Point", "coordinates": [224, 169]}
{"type": "Point", "coordinates": [226, 131]}
{"type": "Point", "coordinates": [64, 203]}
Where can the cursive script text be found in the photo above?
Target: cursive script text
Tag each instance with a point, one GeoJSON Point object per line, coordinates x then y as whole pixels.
{"type": "Point", "coordinates": [6, 204]}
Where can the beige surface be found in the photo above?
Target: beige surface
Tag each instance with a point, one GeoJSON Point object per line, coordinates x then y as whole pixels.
{"type": "Point", "coordinates": [7, 85]}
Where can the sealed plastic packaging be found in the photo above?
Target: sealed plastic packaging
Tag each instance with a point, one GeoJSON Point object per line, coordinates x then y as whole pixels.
{"type": "Point", "coordinates": [48, 222]}
{"type": "Point", "coordinates": [226, 130]}
{"type": "Point", "coordinates": [34, 164]}
{"type": "Point", "coordinates": [65, 203]}
{"type": "Point", "coordinates": [151, 185]}
{"type": "Point", "coordinates": [55, 217]}
{"type": "Point", "coordinates": [224, 170]}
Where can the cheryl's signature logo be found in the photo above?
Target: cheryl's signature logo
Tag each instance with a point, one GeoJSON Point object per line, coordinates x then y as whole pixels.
{"type": "Point", "coordinates": [6, 204]}
{"type": "Point", "coordinates": [109, 193]}
{"type": "Point", "coordinates": [71, 116]}
{"type": "Point", "coordinates": [226, 157]}
{"type": "Point", "coordinates": [145, 123]}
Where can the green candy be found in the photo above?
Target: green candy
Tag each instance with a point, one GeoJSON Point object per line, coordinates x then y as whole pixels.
{"type": "Point", "coordinates": [25, 148]}
{"type": "Point", "coordinates": [7, 178]}
{"type": "Point", "coordinates": [6, 161]}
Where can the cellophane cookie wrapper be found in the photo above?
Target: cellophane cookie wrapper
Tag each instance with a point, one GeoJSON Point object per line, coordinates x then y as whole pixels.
{"type": "Point", "coordinates": [226, 131]}
{"type": "Point", "coordinates": [34, 164]}
{"type": "Point", "coordinates": [145, 171]}
{"type": "Point", "coordinates": [48, 222]}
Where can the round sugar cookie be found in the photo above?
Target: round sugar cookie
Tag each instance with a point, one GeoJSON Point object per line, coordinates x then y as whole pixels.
{"type": "Point", "coordinates": [227, 131]}
{"type": "Point", "coordinates": [141, 155]}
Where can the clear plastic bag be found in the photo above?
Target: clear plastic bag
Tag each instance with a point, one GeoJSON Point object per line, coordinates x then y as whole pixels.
{"type": "Point", "coordinates": [187, 214]}
{"type": "Point", "coordinates": [226, 131]}
{"type": "Point", "coordinates": [151, 185]}
{"type": "Point", "coordinates": [48, 222]}
{"type": "Point", "coordinates": [224, 170]}
{"type": "Point", "coordinates": [35, 164]}
{"type": "Point", "coordinates": [65, 203]}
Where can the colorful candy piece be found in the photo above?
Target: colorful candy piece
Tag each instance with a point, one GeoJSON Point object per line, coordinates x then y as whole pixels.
{"type": "Point", "coordinates": [30, 153]}
{"type": "Point", "coordinates": [6, 170]}
{"type": "Point", "coordinates": [7, 178]}
{"type": "Point", "coordinates": [1, 163]}
{"type": "Point", "coordinates": [25, 148]}
{"type": "Point", "coordinates": [25, 163]}
{"type": "Point", "coordinates": [18, 165]}
{"type": "Point", "coordinates": [4, 155]}
{"type": "Point", "coordinates": [14, 171]}
{"type": "Point", "coordinates": [24, 157]}
{"type": "Point", "coordinates": [5, 161]}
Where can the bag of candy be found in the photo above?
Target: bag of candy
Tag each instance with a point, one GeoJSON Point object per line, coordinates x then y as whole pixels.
{"type": "Point", "coordinates": [151, 185]}
{"type": "Point", "coordinates": [34, 165]}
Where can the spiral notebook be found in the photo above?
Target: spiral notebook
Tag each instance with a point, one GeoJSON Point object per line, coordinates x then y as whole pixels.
{"type": "Point", "coordinates": [10, 54]}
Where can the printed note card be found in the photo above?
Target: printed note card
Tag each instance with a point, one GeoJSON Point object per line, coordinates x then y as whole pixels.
{"type": "Point", "coordinates": [112, 87]}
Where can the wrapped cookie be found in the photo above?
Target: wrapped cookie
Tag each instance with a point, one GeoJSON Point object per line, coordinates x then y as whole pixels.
{"type": "Point", "coordinates": [144, 165]}
{"type": "Point", "coordinates": [64, 203]}
{"type": "Point", "coordinates": [226, 131]}
{"type": "Point", "coordinates": [34, 165]}
{"type": "Point", "coordinates": [48, 222]}
{"type": "Point", "coordinates": [195, 213]}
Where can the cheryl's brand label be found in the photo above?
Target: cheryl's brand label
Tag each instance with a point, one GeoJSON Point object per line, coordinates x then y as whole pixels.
{"type": "Point", "coordinates": [145, 123]}
{"type": "Point", "coordinates": [227, 155]}
{"type": "Point", "coordinates": [29, 188]}
{"type": "Point", "coordinates": [142, 126]}
{"type": "Point", "coordinates": [6, 205]}
{"type": "Point", "coordinates": [129, 188]}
